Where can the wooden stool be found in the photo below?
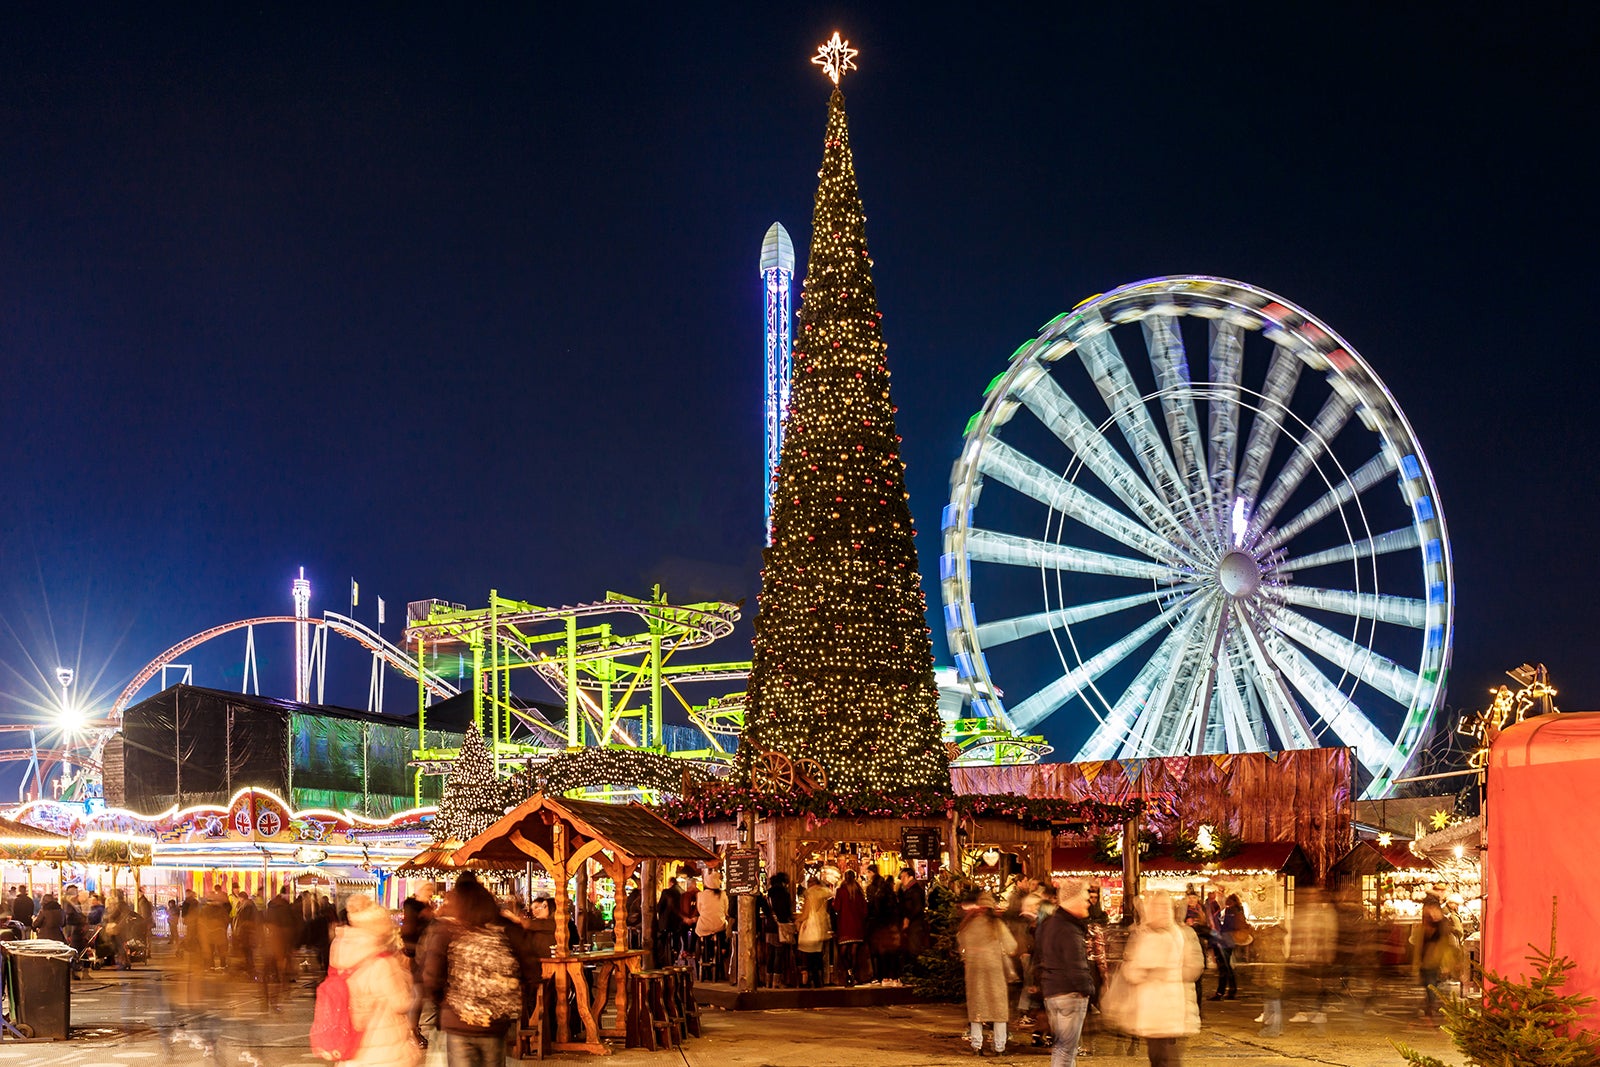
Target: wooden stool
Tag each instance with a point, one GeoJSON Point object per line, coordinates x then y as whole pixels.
{"type": "Point", "coordinates": [532, 1036]}
{"type": "Point", "coordinates": [688, 1012]}
{"type": "Point", "coordinates": [650, 1014]}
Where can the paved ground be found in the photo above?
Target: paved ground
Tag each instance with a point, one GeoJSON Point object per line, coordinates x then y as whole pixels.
{"type": "Point", "coordinates": [130, 1019]}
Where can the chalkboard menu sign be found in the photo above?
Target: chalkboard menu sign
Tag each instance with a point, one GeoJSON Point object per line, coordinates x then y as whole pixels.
{"type": "Point", "coordinates": [743, 867]}
{"type": "Point", "coordinates": [920, 843]}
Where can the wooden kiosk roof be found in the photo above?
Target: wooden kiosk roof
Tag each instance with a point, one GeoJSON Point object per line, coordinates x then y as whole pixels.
{"type": "Point", "coordinates": [631, 832]}
{"type": "Point", "coordinates": [443, 858]}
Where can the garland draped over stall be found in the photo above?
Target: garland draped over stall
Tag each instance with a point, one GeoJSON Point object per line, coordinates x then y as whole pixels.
{"type": "Point", "coordinates": [592, 768]}
{"type": "Point", "coordinates": [727, 802]}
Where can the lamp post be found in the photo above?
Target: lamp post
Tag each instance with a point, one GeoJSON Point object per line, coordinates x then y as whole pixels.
{"type": "Point", "coordinates": [69, 724]}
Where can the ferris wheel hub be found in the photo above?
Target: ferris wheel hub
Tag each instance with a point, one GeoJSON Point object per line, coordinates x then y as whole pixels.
{"type": "Point", "coordinates": [1239, 574]}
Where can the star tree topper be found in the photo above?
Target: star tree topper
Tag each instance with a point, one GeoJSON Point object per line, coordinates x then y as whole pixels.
{"type": "Point", "coordinates": [834, 57]}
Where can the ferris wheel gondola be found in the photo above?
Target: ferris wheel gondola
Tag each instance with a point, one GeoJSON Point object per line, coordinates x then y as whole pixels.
{"type": "Point", "coordinates": [1200, 596]}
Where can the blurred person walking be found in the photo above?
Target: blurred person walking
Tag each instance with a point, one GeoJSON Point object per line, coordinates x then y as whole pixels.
{"type": "Point", "coordinates": [480, 969]}
{"type": "Point", "coordinates": [416, 916]}
{"type": "Point", "coordinates": [1159, 965]}
{"type": "Point", "coordinates": [814, 929]}
{"type": "Point", "coordinates": [986, 943]}
{"type": "Point", "coordinates": [366, 955]}
{"type": "Point", "coordinates": [1433, 953]}
{"type": "Point", "coordinates": [1066, 980]}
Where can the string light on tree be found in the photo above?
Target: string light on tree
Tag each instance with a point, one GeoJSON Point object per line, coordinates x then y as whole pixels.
{"type": "Point", "coordinates": [474, 796]}
{"type": "Point", "coordinates": [835, 57]}
{"type": "Point", "coordinates": [843, 665]}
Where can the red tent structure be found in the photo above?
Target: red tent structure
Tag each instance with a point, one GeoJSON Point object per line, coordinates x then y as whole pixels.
{"type": "Point", "coordinates": [1543, 790]}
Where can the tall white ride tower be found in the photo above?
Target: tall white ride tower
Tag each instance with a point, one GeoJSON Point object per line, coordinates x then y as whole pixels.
{"type": "Point", "coordinates": [302, 638]}
{"type": "Point", "coordinates": [777, 279]}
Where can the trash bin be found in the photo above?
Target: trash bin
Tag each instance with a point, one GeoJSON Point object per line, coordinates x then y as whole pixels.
{"type": "Point", "coordinates": [38, 977]}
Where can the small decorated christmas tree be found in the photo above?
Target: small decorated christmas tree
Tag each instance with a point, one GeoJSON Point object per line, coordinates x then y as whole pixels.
{"type": "Point", "coordinates": [1527, 1023]}
{"type": "Point", "coordinates": [474, 796]}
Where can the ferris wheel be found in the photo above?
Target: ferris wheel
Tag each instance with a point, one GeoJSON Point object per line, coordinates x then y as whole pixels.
{"type": "Point", "coordinates": [1134, 564]}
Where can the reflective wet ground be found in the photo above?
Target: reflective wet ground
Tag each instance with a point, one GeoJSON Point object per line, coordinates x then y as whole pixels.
{"type": "Point", "coordinates": [125, 1019]}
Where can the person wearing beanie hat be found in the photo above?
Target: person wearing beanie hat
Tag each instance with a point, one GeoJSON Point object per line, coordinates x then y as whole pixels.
{"type": "Point", "coordinates": [368, 952]}
{"type": "Point", "coordinates": [711, 924]}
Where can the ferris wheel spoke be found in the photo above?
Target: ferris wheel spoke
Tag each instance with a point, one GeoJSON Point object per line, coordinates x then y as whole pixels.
{"type": "Point", "coordinates": [1170, 362]}
{"type": "Point", "coordinates": [1329, 421]}
{"type": "Point", "coordinates": [1380, 607]}
{"type": "Point", "coordinates": [1330, 703]}
{"type": "Point", "coordinates": [1227, 355]}
{"type": "Point", "coordinates": [1117, 725]}
{"type": "Point", "coordinates": [1051, 406]}
{"type": "Point", "coordinates": [1365, 477]}
{"type": "Point", "coordinates": [1036, 708]}
{"type": "Point", "coordinates": [1394, 541]}
{"type": "Point", "coordinates": [1244, 733]}
{"type": "Point", "coordinates": [987, 546]}
{"type": "Point", "coordinates": [1283, 374]}
{"type": "Point", "coordinates": [1380, 672]}
{"type": "Point", "coordinates": [1175, 732]}
{"type": "Point", "coordinates": [1201, 713]}
{"type": "Point", "coordinates": [1288, 720]}
{"type": "Point", "coordinates": [1141, 741]}
{"type": "Point", "coordinates": [1010, 467]}
{"type": "Point", "coordinates": [1004, 631]}
{"type": "Point", "coordinates": [1104, 362]}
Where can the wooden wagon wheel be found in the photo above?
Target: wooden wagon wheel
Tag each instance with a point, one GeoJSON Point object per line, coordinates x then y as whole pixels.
{"type": "Point", "coordinates": [812, 775]}
{"type": "Point", "coordinates": [772, 772]}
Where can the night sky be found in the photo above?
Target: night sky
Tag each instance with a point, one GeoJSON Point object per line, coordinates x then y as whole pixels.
{"type": "Point", "coordinates": [448, 302]}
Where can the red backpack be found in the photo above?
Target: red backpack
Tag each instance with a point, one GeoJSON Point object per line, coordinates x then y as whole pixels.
{"type": "Point", "coordinates": [333, 1030]}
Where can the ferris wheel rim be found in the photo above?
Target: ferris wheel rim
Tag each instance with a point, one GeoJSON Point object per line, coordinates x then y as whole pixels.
{"type": "Point", "coordinates": [1317, 346]}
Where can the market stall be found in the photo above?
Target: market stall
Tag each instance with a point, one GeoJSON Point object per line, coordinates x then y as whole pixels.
{"type": "Point", "coordinates": [561, 837]}
{"type": "Point", "coordinates": [1263, 874]}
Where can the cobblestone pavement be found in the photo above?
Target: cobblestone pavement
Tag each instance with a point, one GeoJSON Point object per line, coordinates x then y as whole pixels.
{"type": "Point", "coordinates": [128, 1019]}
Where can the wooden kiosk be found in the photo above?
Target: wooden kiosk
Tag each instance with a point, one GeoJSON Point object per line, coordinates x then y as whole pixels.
{"type": "Point", "coordinates": [560, 836]}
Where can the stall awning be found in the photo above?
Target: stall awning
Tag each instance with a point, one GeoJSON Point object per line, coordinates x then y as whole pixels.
{"type": "Point", "coordinates": [1258, 857]}
{"type": "Point", "coordinates": [1369, 857]}
{"type": "Point", "coordinates": [443, 858]}
{"type": "Point", "coordinates": [632, 832]}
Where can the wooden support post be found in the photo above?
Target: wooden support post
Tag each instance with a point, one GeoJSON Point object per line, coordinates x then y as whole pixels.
{"type": "Point", "coordinates": [619, 903]}
{"type": "Point", "coordinates": [647, 909]}
{"type": "Point", "coordinates": [748, 934]}
{"type": "Point", "coordinates": [584, 933]}
{"type": "Point", "coordinates": [558, 852]}
{"type": "Point", "coordinates": [1130, 864]}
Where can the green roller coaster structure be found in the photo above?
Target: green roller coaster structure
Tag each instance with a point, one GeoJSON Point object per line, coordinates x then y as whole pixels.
{"type": "Point", "coordinates": [612, 663]}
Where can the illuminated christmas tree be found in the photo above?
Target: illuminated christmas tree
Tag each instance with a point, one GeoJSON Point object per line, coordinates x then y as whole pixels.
{"type": "Point", "coordinates": [843, 666]}
{"type": "Point", "coordinates": [474, 796]}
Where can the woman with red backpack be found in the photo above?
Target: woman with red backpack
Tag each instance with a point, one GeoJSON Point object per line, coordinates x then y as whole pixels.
{"type": "Point", "coordinates": [363, 1013]}
{"type": "Point", "coordinates": [477, 965]}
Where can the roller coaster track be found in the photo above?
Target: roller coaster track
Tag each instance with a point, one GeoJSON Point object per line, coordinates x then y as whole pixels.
{"type": "Point", "coordinates": [369, 639]}
{"type": "Point", "coordinates": [680, 628]}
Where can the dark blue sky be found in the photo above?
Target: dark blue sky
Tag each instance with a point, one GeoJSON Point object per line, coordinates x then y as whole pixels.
{"type": "Point", "coordinates": [451, 302]}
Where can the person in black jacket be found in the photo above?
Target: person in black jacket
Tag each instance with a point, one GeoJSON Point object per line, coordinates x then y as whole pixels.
{"type": "Point", "coordinates": [50, 921]}
{"type": "Point", "coordinates": [22, 908]}
{"type": "Point", "coordinates": [1066, 982]}
{"type": "Point", "coordinates": [476, 1038]}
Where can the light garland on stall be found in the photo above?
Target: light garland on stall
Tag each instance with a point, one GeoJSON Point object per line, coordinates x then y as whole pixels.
{"type": "Point", "coordinates": [597, 768]}
{"type": "Point", "coordinates": [843, 664]}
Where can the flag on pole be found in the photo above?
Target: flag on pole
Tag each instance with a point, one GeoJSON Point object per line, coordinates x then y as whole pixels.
{"type": "Point", "coordinates": [355, 593]}
{"type": "Point", "coordinates": [380, 611]}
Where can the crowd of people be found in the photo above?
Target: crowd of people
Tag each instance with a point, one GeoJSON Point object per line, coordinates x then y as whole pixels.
{"type": "Point", "coordinates": [861, 931]}
{"type": "Point", "coordinates": [1052, 946]}
{"type": "Point", "coordinates": [463, 966]}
